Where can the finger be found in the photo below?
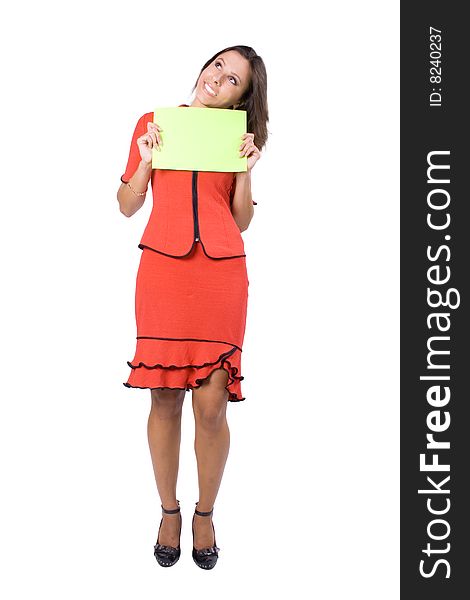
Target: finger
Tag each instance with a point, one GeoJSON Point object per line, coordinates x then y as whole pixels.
{"type": "Point", "coordinates": [153, 137]}
{"type": "Point", "coordinates": [157, 141]}
{"type": "Point", "coordinates": [248, 150]}
{"type": "Point", "coordinates": [154, 131]}
{"type": "Point", "coordinates": [152, 141]}
{"type": "Point", "coordinates": [248, 140]}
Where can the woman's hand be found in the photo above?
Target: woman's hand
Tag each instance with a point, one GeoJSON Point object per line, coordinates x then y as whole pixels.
{"type": "Point", "coordinates": [249, 150]}
{"type": "Point", "coordinates": [148, 141]}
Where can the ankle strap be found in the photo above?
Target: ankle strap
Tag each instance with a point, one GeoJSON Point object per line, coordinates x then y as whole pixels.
{"type": "Point", "coordinates": [171, 511]}
{"type": "Point", "coordinates": [203, 514]}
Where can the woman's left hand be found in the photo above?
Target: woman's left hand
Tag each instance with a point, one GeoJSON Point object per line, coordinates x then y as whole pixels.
{"type": "Point", "coordinates": [249, 150]}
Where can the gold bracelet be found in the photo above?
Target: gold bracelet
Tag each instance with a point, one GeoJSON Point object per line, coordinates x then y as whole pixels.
{"type": "Point", "coordinates": [136, 193]}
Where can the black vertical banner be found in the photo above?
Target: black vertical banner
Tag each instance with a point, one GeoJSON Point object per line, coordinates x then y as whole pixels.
{"type": "Point", "coordinates": [434, 305]}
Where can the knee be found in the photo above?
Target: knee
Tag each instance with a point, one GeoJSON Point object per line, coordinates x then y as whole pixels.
{"type": "Point", "coordinates": [167, 403]}
{"type": "Point", "coordinates": [210, 417]}
{"type": "Point", "coordinates": [210, 401]}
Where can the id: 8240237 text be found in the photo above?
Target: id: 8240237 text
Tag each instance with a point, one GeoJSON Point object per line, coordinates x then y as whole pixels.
{"type": "Point", "coordinates": [435, 69]}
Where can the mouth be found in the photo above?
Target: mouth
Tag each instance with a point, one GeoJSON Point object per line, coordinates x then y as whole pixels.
{"type": "Point", "coordinates": [208, 89]}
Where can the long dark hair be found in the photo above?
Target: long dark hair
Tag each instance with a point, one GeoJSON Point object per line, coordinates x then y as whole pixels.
{"type": "Point", "coordinates": [255, 99]}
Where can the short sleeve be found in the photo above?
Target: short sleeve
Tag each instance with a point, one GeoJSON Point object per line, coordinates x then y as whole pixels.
{"type": "Point", "coordinates": [134, 154]}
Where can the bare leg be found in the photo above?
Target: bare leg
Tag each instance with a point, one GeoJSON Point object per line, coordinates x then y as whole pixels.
{"type": "Point", "coordinates": [164, 436]}
{"type": "Point", "coordinates": [211, 444]}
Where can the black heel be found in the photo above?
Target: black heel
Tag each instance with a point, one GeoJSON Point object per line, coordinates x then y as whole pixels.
{"type": "Point", "coordinates": [167, 556]}
{"type": "Point", "coordinates": [205, 558]}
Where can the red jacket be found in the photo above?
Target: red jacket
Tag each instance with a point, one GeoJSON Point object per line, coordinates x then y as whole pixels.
{"type": "Point", "coordinates": [188, 207]}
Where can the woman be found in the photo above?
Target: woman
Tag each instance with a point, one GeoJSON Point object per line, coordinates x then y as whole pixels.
{"type": "Point", "coordinates": [191, 294]}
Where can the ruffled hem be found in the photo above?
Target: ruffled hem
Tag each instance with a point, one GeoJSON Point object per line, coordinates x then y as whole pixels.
{"type": "Point", "coordinates": [184, 364]}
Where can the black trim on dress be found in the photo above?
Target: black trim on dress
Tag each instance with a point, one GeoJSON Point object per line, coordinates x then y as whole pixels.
{"type": "Point", "coordinates": [222, 356]}
{"type": "Point", "coordinates": [142, 246]}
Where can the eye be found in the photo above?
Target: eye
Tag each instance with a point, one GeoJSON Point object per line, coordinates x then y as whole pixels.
{"type": "Point", "coordinates": [234, 80]}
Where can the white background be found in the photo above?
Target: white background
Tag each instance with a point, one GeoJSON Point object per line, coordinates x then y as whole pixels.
{"type": "Point", "coordinates": [309, 502]}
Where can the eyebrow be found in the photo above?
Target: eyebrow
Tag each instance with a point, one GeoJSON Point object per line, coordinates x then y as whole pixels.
{"type": "Point", "coordinates": [220, 58]}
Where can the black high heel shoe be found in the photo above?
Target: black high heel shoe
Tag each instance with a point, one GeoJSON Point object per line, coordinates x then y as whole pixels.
{"type": "Point", "coordinates": [205, 558]}
{"type": "Point", "coordinates": [167, 556]}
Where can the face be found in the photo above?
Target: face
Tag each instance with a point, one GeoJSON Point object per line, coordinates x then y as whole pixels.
{"type": "Point", "coordinates": [229, 77]}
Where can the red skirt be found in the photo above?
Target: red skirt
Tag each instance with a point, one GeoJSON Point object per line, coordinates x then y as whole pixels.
{"type": "Point", "coordinates": [190, 314]}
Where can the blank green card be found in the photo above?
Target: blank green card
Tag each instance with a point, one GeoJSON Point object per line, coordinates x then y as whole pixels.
{"type": "Point", "coordinates": [200, 139]}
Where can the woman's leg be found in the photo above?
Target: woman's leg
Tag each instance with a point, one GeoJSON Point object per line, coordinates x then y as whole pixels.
{"type": "Point", "coordinates": [164, 436]}
{"type": "Point", "coordinates": [211, 444]}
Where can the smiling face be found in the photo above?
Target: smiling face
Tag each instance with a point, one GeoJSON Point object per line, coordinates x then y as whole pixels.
{"type": "Point", "coordinates": [228, 76]}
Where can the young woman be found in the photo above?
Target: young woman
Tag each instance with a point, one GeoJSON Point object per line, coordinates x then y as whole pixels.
{"type": "Point", "coordinates": [191, 294]}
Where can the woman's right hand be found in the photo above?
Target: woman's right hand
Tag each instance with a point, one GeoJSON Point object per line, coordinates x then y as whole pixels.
{"type": "Point", "coordinates": [149, 140]}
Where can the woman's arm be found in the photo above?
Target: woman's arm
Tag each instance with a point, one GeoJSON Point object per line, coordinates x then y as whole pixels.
{"type": "Point", "coordinates": [129, 203]}
{"type": "Point", "coordinates": [242, 203]}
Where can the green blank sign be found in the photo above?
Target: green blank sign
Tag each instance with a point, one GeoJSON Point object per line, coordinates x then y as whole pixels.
{"type": "Point", "coordinates": [200, 139]}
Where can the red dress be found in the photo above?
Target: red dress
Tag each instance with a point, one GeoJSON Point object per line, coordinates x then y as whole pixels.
{"type": "Point", "coordinates": [192, 286]}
